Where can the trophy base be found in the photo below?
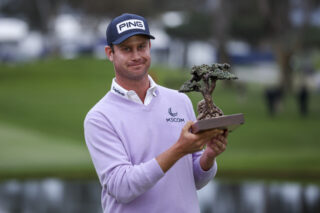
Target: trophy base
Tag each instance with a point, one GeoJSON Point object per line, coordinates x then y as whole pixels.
{"type": "Point", "coordinates": [226, 122]}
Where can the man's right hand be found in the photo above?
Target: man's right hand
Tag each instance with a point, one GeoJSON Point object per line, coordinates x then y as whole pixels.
{"type": "Point", "coordinates": [187, 143]}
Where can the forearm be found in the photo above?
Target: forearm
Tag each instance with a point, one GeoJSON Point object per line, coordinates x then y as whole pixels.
{"type": "Point", "coordinates": [201, 176]}
{"type": "Point", "coordinates": [187, 143]}
{"type": "Point", "coordinates": [206, 162]}
{"type": "Point", "coordinates": [125, 183]}
{"type": "Point", "coordinates": [215, 147]}
{"type": "Point", "coordinates": [168, 158]}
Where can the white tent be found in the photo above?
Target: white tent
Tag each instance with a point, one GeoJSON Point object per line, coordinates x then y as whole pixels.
{"type": "Point", "coordinates": [12, 30]}
{"type": "Point", "coordinates": [17, 43]}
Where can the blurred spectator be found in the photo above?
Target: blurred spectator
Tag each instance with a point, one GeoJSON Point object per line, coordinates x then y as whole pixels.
{"type": "Point", "coordinates": [303, 98]}
{"type": "Point", "coordinates": [274, 97]}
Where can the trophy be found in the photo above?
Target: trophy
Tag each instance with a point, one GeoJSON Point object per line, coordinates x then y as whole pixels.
{"type": "Point", "coordinates": [210, 116]}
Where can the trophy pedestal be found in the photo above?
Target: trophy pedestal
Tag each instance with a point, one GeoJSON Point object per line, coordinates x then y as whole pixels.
{"type": "Point", "coordinates": [226, 122]}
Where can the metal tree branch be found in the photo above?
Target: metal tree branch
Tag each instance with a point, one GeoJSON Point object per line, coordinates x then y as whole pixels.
{"type": "Point", "coordinates": [203, 80]}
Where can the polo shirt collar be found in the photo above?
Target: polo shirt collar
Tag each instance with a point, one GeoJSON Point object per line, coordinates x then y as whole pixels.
{"type": "Point", "coordinates": [131, 94]}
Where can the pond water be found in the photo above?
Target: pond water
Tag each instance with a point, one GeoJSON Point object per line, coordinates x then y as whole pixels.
{"type": "Point", "coordinates": [259, 197]}
{"type": "Point", "coordinates": [66, 196]}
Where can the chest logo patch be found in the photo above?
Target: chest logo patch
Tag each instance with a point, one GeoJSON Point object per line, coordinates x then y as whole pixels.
{"type": "Point", "coordinates": [173, 117]}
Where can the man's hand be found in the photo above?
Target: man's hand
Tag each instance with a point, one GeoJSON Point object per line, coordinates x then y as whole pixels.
{"type": "Point", "coordinates": [187, 143]}
{"type": "Point", "coordinates": [190, 143]}
{"type": "Point", "coordinates": [215, 147]}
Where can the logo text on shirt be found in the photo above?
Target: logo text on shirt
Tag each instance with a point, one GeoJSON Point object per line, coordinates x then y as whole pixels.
{"type": "Point", "coordinates": [173, 117]}
{"type": "Point", "coordinates": [118, 91]}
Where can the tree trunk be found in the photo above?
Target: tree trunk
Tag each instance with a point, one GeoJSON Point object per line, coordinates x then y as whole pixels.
{"type": "Point", "coordinates": [207, 109]}
{"type": "Point", "coordinates": [284, 57]}
{"type": "Point", "coordinates": [185, 53]}
{"type": "Point", "coordinates": [209, 103]}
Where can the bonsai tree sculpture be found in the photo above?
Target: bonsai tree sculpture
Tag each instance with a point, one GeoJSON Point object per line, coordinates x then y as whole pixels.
{"type": "Point", "coordinates": [204, 80]}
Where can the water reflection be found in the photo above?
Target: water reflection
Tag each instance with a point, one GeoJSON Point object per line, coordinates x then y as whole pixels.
{"type": "Point", "coordinates": [62, 196]}
{"type": "Point", "coordinates": [258, 197]}
{"type": "Point", "coordinates": [50, 196]}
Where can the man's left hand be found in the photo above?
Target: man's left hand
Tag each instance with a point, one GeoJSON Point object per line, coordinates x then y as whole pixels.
{"type": "Point", "coordinates": [214, 147]}
{"type": "Point", "coordinates": [217, 145]}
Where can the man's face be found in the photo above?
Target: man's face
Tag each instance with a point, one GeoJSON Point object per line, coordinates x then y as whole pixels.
{"type": "Point", "coordinates": [131, 58]}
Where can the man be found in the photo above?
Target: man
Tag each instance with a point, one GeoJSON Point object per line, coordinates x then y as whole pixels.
{"type": "Point", "coordinates": [138, 134]}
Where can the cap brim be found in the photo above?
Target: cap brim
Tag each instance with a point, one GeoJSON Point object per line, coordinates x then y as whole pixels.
{"type": "Point", "coordinates": [122, 38]}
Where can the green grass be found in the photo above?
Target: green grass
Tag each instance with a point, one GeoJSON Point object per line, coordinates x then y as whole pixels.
{"type": "Point", "coordinates": [43, 104]}
{"type": "Point", "coordinates": [53, 96]}
{"type": "Point", "coordinates": [29, 153]}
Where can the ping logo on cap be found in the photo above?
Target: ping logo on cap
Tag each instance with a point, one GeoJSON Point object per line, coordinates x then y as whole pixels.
{"type": "Point", "coordinates": [130, 25]}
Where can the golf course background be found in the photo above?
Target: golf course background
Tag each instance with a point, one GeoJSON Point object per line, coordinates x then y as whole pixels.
{"type": "Point", "coordinates": [43, 105]}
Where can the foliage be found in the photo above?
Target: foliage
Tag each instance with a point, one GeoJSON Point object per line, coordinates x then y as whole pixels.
{"type": "Point", "coordinates": [204, 76]}
{"type": "Point", "coordinates": [197, 26]}
{"type": "Point", "coordinates": [311, 37]}
{"type": "Point", "coordinates": [250, 27]}
{"type": "Point", "coordinates": [36, 13]}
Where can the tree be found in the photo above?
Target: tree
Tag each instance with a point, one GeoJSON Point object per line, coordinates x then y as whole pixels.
{"type": "Point", "coordinates": [36, 12]}
{"type": "Point", "coordinates": [197, 26]}
{"type": "Point", "coordinates": [204, 80]}
{"type": "Point", "coordinates": [147, 8]}
{"type": "Point", "coordinates": [268, 22]}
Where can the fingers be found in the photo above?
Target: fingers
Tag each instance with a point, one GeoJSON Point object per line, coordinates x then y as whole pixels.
{"type": "Point", "coordinates": [216, 149]}
{"type": "Point", "coordinates": [214, 138]}
{"type": "Point", "coordinates": [218, 143]}
{"type": "Point", "coordinates": [214, 134]}
{"type": "Point", "coordinates": [221, 145]}
{"type": "Point", "coordinates": [220, 139]}
{"type": "Point", "coordinates": [210, 133]}
{"type": "Point", "coordinates": [187, 126]}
